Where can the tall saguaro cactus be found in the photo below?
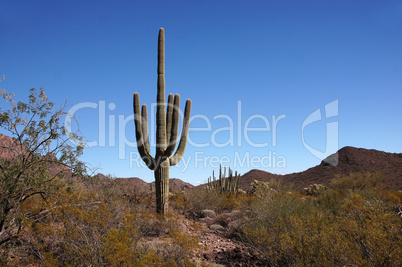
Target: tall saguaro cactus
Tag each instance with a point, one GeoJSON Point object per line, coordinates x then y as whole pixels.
{"type": "Point", "coordinates": [167, 125]}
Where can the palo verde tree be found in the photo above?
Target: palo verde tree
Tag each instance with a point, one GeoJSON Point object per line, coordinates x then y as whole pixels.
{"type": "Point", "coordinates": [167, 123]}
{"type": "Point", "coordinates": [34, 155]}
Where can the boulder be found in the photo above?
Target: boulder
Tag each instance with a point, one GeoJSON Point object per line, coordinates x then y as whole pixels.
{"type": "Point", "coordinates": [208, 214]}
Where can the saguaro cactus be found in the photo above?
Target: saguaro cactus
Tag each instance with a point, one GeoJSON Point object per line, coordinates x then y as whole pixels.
{"type": "Point", "coordinates": [167, 125]}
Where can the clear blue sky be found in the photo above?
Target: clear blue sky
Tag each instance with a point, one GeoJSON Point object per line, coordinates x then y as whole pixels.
{"type": "Point", "coordinates": [278, 58]}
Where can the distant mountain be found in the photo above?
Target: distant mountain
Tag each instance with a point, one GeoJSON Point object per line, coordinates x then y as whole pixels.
{"type": "Point", "coordinates": [140, 185]}
{"type": "Point", "coordinates": [176, 185]}
{"type": "Point", "coordinates": [350, 159]}
{"type": "Point", "coordinates": [134, 183]}
{"type": "Point", "coordinates": [11, 148]}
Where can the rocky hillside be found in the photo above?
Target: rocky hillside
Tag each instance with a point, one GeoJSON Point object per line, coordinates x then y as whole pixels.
{"type": "Point", "coordinates": [11, 148]}
{"type": "Point", "coordinates": [134, 183]}
{"type": "Point", "coordinates": [139, 185]}
{"type": "Point", "coordinates": [350, 159]}
{"type": "Point", "coordinates": [177, 185]}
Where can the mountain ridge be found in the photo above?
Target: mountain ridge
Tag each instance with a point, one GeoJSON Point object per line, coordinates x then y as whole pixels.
{"type": "Point", "coordinates": [348, 160]}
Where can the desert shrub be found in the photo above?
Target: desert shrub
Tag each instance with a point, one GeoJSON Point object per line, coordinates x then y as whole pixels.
{"type": "Point", "coordinates": [173, 247]}
{"type": "Point", "coordinates": [199, 200]}
{"type": "Point", "coordinates": [180, 246]}
{"type": "Point", "coordinates": [76, 227]}
{"type": "Point", "coordinates": [179, 201]}
{"type": "Point", "coordinates": [295, 240]}
{"type": "Point", "coordinates": [130, 245]}
{"type": "Point", "coordinates": [358, 181]}
{"type": "Point", "coordinates": [68, 228]}
{"type": "Point", "coordinates": [231, 201]}
{"type": "Point", "coordinates": [373, 231]}
{"type": "Point", "coordinates": [355, 227]}
{"type": "Point", "coordinates": [329, 202]}
{"type": "Point", "coordinates": [315, 189]}
{"type": "Point", "coordinates": [274, 206]}
{"type": "Point", "coordinates": [259, 188]}
{"type": "Point", "coordinates": [121, 246]}
{"type": "Point", "coordinates": [135, 197]}
{"type": "Point", "coordinates": [392, 196]}
{"type": "Point", "coordinates": [273, 202]}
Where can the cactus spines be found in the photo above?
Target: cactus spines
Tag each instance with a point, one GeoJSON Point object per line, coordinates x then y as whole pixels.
{"type": "Point", "coordinates": [167, 125]}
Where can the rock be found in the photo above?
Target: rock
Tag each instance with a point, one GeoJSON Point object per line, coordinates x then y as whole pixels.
{"type": "Point", "coordinates": [207, 220]}
{"type": "Point", "coordinates": [241, 192]}
{"type": "Point", "coordinates": [225, 218]}
{"type": "Point", "coordinates": [216, 227]}
{"type": "Point", "coordinates": [234, 225]}
{"type": "Point", "coordinates": [208, 214]}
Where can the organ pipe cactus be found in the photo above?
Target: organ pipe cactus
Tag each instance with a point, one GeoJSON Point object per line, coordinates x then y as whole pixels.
{"type": "Point", "coordinates": [224, 184]}
{"type": "Point", "coordinates": [167, 125]}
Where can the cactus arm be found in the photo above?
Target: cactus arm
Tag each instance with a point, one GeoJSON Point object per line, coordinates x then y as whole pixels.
{"type": "Point", "coordinates": [174, 127]}
{"type": "Point", "coordinates": [160, 99]}
{"type": "Point", "coordinates": [220, 177]}
{"type": "Point", "coordinates": [213, 177]}
{"type": "Point", "coordinates": [229, 186]}
{"type": "Point", "coordinates": [144, 152]}
{"type": "Point", "coordinates": [237, 181]}
{"type": "Point", "coordinates": [169, 114]}
{"type": "Point", "coordinates": [144, 124]}
{"type": "Point", "coordinates": [230, 179]}
{"type": "Point", "coordinates": [184, 134]}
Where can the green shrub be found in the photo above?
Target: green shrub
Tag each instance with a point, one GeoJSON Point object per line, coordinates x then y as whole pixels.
{"type": "Point", "coordinates": [358, 181]}
{"type": "Point", "coordinates": [348, 226]}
